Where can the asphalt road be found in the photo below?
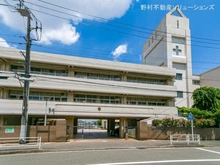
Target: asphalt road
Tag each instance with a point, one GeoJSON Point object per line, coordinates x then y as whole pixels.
{"type": "Point", "coordinates": [174, 156]}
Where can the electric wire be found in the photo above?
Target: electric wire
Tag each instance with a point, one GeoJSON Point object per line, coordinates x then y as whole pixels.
{"type": "Point", "coordinates": [80, 55]}
{"type": "Point", "coordinates": [52, 4]}
{"type": "Point", "coordinates": [110, 24]}
{"type": "Point", "coordinates": [121, 32]}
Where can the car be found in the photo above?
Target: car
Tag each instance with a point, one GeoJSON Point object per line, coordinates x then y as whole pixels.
{"type": "Point", "coordinates": [114, 132]}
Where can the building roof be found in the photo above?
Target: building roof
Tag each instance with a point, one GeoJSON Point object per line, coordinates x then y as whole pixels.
{"type": "Point", "coordinates": [176, 9]}
{"type": "Point", "coordinates": [73, 61]}
{"type": "Point", "coordinates": [218, 67]}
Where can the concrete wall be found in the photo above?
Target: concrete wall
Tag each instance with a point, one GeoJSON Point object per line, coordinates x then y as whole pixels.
{"type": "Point", "coordinates": [145, 132]}
{"type": "Point", "coordinates": [57, 133]}
{"type": "Point", "coordinates": [154, 49]}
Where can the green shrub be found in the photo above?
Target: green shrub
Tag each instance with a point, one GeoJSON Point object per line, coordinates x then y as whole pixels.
{"type": "Point", "coordinates": [170, 122]}
{"type": "Point", "coordinates": [204, 123]}
{"type": "Point", "coordinates": [156, 122]}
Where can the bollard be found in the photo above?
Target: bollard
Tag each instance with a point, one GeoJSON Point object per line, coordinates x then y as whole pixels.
{"type": "Point", "coordinates": [126, 136]}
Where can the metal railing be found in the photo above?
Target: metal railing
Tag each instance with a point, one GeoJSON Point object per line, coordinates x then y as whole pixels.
{"type": "Point", "coordinates": [13, 142]}
{"type": "Point", "coordinates": [188, 138]}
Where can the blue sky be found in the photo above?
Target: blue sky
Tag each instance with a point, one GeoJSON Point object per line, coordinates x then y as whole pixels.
{"type": "Point", "coordinates": [82, 31]}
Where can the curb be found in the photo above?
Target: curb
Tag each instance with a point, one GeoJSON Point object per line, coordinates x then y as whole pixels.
{"type": "Point", "coordinates": [8, 152]}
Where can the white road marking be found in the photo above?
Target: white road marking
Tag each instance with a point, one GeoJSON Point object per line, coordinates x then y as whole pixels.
{"type": "Point", "coordinates": [161, 161]}
{"type": "Point", "coordinates": [55, 152]}
{"type": "Point", "coordinates": [216, 152]}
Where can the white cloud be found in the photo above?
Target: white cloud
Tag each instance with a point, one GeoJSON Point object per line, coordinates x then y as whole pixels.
{"type": "Point", "coordinates": [55, 29]}
{"type": "Point", "coordinates": [121, 49]}
{"type": "Point", "coordinates": [66, 34]}
{"type": "Point", "coordinates": [3, 43]}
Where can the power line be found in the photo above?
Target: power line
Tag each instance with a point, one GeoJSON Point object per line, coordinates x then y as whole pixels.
{"type": "Point", "coordinates": [111, 24]}
{"type": "Point", "coordinates": [10, 35]}
{"type": "Point", "coordinates": [85, 49]}
{"type": "Point", "coordinates": [80, 55]}
{"type": "Point", "coordinates": [121, 32]}
{"type": "Point", "coordinates": [13, 42]}
{"type": "Point", "coordinates": [52, 4]}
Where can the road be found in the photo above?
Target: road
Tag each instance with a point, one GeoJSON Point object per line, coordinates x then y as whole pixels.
{"type": "Point", "coordinates": [174, 156]}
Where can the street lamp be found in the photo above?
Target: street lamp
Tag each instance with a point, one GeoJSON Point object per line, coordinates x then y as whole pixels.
{"type": "Point", "coordinates": [45, 116]}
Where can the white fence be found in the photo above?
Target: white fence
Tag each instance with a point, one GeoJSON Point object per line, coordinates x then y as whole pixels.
{"type": "Point", "coordinates": [13, 143]}
{"type": "Point", "coordinates": [188, 138]}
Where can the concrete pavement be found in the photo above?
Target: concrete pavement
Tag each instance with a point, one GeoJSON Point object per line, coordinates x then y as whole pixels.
{"type": "Point", "coordinates": [105, 144]}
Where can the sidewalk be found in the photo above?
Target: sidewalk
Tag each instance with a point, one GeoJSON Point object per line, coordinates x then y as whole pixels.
{"type": "Point", "coordinates": [106, 144]}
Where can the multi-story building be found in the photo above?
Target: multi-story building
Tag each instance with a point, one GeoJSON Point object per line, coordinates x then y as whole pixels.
{"type": "Point", "coordinates": [74, 88]}
{"type": "Point", "coordinates": [169, 46]}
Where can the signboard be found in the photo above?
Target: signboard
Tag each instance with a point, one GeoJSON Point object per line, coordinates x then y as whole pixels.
{"type": "Point", "coordinates": [190, 116]}
{"type": "Point", "coordinates": [9, 130]}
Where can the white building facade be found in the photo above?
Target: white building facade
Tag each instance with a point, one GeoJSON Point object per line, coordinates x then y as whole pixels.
{"type": "Point", "coordinates": [74, 88]}
{"type": "Point", "coordinates": [169, 46]}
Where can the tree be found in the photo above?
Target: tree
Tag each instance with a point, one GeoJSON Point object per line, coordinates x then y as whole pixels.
{"type": "Point", "coordinates": [99, 122]}
{"type": "Point", "coordinates": [206, 98]}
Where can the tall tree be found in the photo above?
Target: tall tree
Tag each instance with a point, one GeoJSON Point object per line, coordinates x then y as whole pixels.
{"type": "Point", "coordinates": [206, 98]}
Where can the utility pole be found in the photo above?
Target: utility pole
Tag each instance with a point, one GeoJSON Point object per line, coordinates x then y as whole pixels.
{"type": "Point", "coordinates": [24, 116]}
{"type": "Point", "coordinates": [25, 12]}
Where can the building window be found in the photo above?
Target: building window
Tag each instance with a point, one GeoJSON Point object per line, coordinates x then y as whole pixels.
{"type": "Point", "coordinates": [179, 94]}
{"type": "Point", "coordinates": [97, 99]}
{"type": "Point", "coordinates": [178, 40]}
{"type": "Point", "coordinates": [179, 76]}
{"type": "Point", "coordinates": [44, 71]}
{"type": "Point", "coordinates": [85, 98]}
{"type": "Point", "coordinates": [195, 82]}
{"type": "Point", "coordinates": [146, 101]}
{"type": "Point", "coordinates": [97, 76]}
{"type": "Point", "coordinates": [146, 80]}
{"type": "Point", "coordinates": [38, 96]}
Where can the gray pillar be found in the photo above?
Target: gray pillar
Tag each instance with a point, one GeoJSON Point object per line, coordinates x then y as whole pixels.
{"type": "Point", "coordinates": [112, 124]}
{"type": "Point", "coordinates": [108, 126]}
{"type": "Point", "coordinates": [75, 121]}
{"type": "Point", "coordinates": [71, 73]}
{"type": "Point", "coordinates": [70, 124]}
{"type": "Point", "coordinates": [123, 125]}
{"type": "Point", "coordinates": [1, 121]}
{"type": "Point", "coordinates": [70, 97]}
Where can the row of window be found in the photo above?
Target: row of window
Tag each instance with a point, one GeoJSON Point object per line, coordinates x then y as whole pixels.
{"type": "Point", "coordinates": [146, 80]}
{"type": "Point", "coordinates": [97, 99]}
{"type": "Point", "coordinates": [39, 96]}
{"type": "Point", "coordinates": [62, 97]}
{"type": "Point", "coordinates": [146, 101]}
{"type": "Point", "coordinates": [180, 77]}
{"type": "Point", "coordinates": [97, 76]}
{"type": "Point", "coordinates": [88, 75]}
{"type": "Point", "coordinates": [44, 71]}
